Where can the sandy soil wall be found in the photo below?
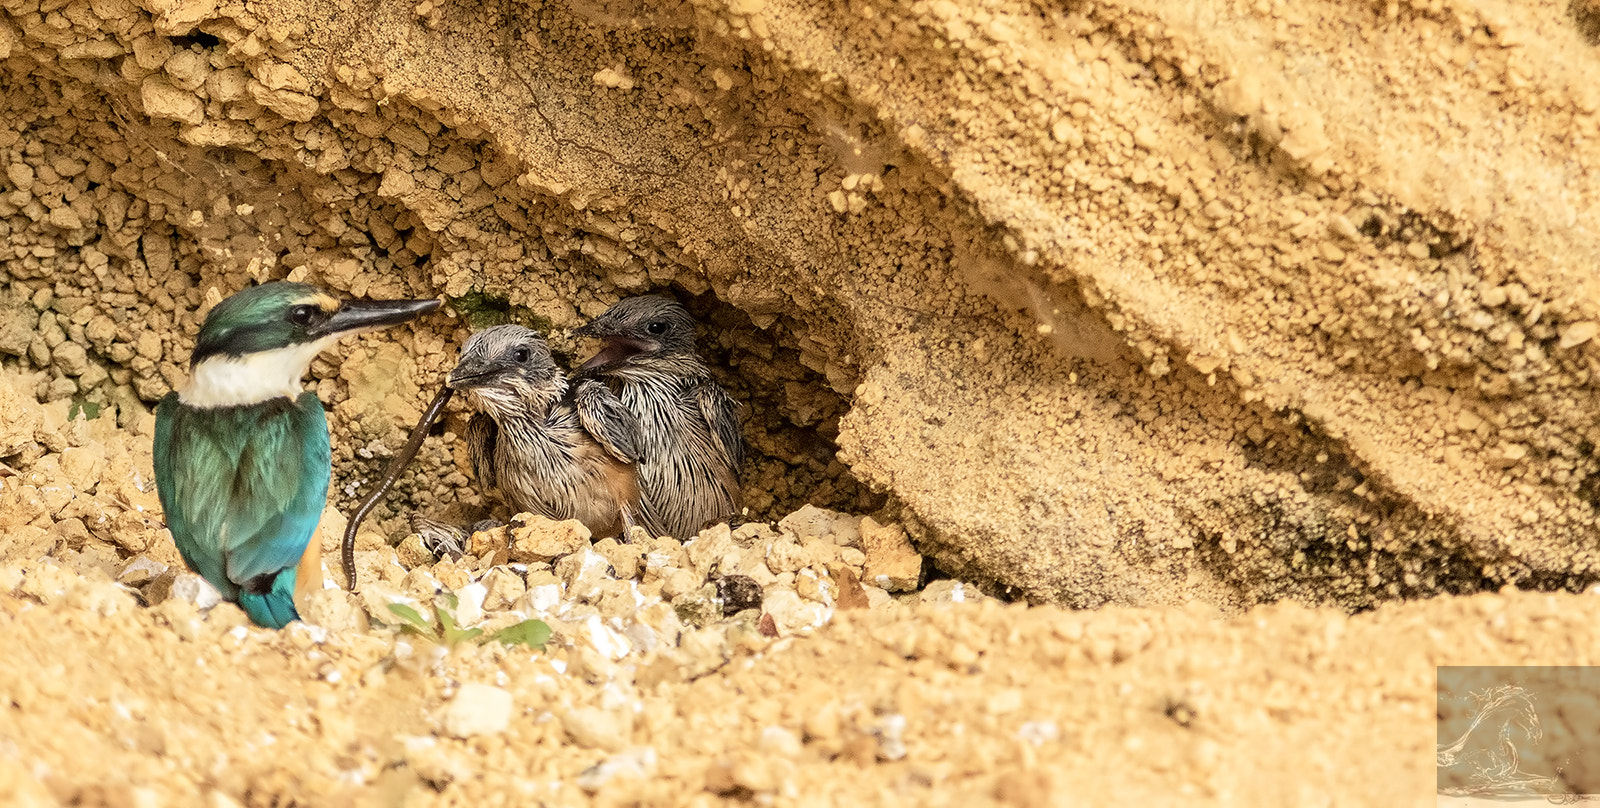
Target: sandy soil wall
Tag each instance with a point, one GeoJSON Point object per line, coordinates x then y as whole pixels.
{"type": "Point", "coordinates": [1116, 303]}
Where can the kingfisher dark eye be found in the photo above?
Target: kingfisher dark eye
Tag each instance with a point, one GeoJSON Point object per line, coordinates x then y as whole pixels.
{"type": "Point", "coordinates": [303, 315]}
{"type": "Point", "coordinates": [520, 355]}
{"type": "Point", "coordinates": [656, 328]}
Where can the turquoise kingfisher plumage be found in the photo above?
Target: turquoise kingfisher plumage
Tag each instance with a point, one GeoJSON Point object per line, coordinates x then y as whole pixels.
{"type": "Point", "coordinates": [242, 456]}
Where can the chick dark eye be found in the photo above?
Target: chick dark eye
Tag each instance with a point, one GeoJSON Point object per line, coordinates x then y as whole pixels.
{"type": "Point", "coordinates": [303, 315]}
{"type": "Point", "coordinates": [656, 328]}
{"type": "Point", "coordinates": [520, 355]}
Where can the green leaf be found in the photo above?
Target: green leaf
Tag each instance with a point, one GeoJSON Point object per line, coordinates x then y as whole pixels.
{"type": "Point", "coordinates": [532, 633]}
{"type": "Point", "coordinates": [451, 602]}
{"type": "Point", "coordinates": [454, 636]}
{"type": "Point", "coordinates": [413, 619]}
{"type": "Point", "coordinates": [447, 621]}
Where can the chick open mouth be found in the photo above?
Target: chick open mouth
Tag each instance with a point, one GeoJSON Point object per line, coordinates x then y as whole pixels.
{"type": "Point", "coordinates": [615, 349]}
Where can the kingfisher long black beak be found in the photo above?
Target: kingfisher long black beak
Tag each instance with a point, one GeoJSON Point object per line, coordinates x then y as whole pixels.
{"type": "Point", "coordinates": [355, 316]}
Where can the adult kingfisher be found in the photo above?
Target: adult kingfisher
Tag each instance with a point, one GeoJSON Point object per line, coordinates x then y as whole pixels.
{"type": "Point", "coordinates": [242, 457]}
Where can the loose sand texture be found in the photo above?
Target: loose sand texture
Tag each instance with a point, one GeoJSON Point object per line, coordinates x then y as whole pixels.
{"type": "Point", "coordinates": [1171, 311]}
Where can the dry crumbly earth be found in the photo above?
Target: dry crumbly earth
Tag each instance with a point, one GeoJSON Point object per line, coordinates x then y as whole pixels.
{"type": "Point", "coordinates": [1167, 312]}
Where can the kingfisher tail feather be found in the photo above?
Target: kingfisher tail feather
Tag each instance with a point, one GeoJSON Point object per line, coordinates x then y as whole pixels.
{"type": "Point", "coordinates": [273, 608]}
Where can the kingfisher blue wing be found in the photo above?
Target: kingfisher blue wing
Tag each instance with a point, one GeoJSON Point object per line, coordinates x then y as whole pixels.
{"type": "Point", "coordinates": [243, 489]}
{"type": "Point", "coordinates": [604, 417]}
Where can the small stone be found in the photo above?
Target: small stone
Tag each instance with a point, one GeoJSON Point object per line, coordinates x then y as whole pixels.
{"type": "Point", "coordinates": [543, 595]}
{"type": "Point", "coordinates": [786, 556]}
{"type": "Point", "coordinates": [280, 76]}
{"type": "Point", "coordinates": [850, 595]}
{"type": "Point", "coordinates": [420, 584]}
{"type": "Point", "coordinates": [469, 604]}
{"type": "Point", "coordinates": [454, 573]}
{"type": "Point", "coordinates": [537, 539]}
{"type": "Point", "coordinates": [608, 730]}
{"type": "Point", "coordinates": [375, 598]}
{"type": "Point", "coordinates": [634, 764]}
{"type": "Point", "coordinates": [82, 465]}
{"type": "Point", "coordinates": [615, 78]}
{"type": "Point", "coordinates": [414, 552]}
{"type": "Point", "coordinates": [751, 534]}
{"type": "Point", "coordinates": [737, 593]}
{"type": "Point", "coordinates": [101, 332]}
{"type": "Point", "coordinates": [813, 587]}
{"type": "Point", "coordinates": [583, 572]}
{"type": "Point", "coordinates": [949, 591]}
{"type": "Point", "coordinates": [149, 345]}
{"type": "Point", "coordinates": [617, 599]}
{"type": "Point", "coordinates": [892, 562]}
{"type": "Point", "coordinates": [334, 610]}
{"type": "Point", "coordinates": [17, 323]}
{"type": "Point", "coordinates": [655, 624]}
{"type": "Point", "coordinates": [47, 583]}
{"type": "Point", "coordinates": [676, 582]}
{"type": "Point", "coordinates": [698, 608]}
{"type": "Point", "coordinates": [779, 741]}
{"type": "Point", "coordinates": [140, 571]}
{"type": "Point", "coordinates": [21, 175]}
{"type": "Point", "coordinates": [1578, 333]}
{"type": "Point", "coordinates": [790, 614]}
{"type": "Point", "coordinates": [478, 709]}
{"type": "Point", "coordinates": [490, 539]}
{"type": "Point", "coordinates": [813, 522]}
{"type": "Point", "coordinates": [625, 559]}
{"type": "Point", "coordinates": [193, 589]}
{"type": "Point", "coordinates": [502, 587]}
{"type": "Point", "coordinates": [188, 69]}
{"type": "Point", "coordinates": [707, 549]}
{"type": "Point", "coordinates": [179, 17]}
{"type": "Point", "coordinates": [821, 552]}
{"type": "Point", "coordinates": [163, 100]}
{"type": "Point", "coordinates": [65, 218]}
{"type": "Point", "coordinates": [432, 762]}
{"type": "Point", "coordinates": [853, 557]}
{"type": "Point", "coordinates": [294, 106]}
{"type": "Point", "coordinates": [70, 358]}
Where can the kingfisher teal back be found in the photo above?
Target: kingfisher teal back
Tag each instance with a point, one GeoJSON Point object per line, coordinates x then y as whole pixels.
{"type": "Point", "coordinates": [243, 489]}
{"type": "Point", "coordinates": [242, 456]}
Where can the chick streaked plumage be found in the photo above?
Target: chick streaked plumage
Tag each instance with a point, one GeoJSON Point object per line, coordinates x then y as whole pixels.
{"type": "Point", "coordinates": [565, 451]}
{"type": "Point", "coordinates": [688, 425]}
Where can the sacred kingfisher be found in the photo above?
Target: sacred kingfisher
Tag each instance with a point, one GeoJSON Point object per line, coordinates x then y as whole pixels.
{"type": "Point", "coordinates": [242, 456]}
{"type": "Point", "coordinates": [564, 451]}
{"type": "Point", "coordinates": [689, 425]}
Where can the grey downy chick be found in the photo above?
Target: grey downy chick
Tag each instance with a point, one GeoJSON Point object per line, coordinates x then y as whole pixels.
{"type": "Point", "coordinates": [689, 425]}
{"type": "Point", "coordinates": [542, 445]}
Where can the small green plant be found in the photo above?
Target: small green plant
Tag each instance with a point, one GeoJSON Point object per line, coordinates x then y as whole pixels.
{"type": "Point", "coordinates": [444, 630]}
{"type": "Point", "coordinates": [82, 406]}
{"type": "Point", "coordinates": [480, 310]}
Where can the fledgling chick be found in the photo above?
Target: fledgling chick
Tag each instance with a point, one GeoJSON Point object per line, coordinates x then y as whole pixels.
{"type": "Point", "coordinates": [688, 425]}
{"type": "Point", "coordinates": [547, 447]}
